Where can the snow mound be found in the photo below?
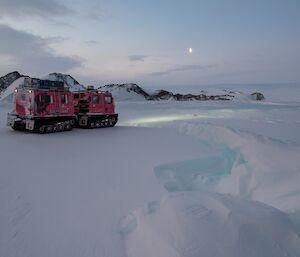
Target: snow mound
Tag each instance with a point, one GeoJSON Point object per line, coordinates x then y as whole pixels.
{"type": "Point", "coordinates": [6, 95]}
{"type": "Point", "coordinates": [194, 224]}
{"type": "Point", "coordinates": [251, 166]}
{"type": "Point", "coordinates": [198, 174]}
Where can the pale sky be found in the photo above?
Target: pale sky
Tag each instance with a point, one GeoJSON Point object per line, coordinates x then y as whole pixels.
{"type": "Point", "coordinates": [147, 42]}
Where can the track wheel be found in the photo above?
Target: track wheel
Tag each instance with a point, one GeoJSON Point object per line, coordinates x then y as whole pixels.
{"type": "Point", "coordinates": [68, 127]}
{"type": "Point", "coordinates": [42, 129]}
{"type": "Point", "coordinates": [59, 127]}
{"type": "Point", "coordinates": [49, 129]}
{"type": "Point", "coordinates": [92, 125]}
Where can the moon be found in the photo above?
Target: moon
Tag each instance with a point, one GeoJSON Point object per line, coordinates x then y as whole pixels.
{"type": "Point", "coordinates": [190, 50]}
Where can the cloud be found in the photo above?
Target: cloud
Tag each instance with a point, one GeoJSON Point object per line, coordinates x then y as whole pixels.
{"type": "Point", "coordinates": [93, 14]}
{"type": "Point", "coordinates": [28, 8]}
{"type": "Point", "coordinates": [32, 53]}
{"type": "Point", "coordinates": [93, 42]}
{"type": "Point", "coordinates": [183, 68]}
{"type": "Point", "coordinates": [137, 58]}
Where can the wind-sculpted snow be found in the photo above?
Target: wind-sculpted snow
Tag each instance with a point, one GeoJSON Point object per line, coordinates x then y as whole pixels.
{"type": "Point", "coordinates": [252, 155]}
{"type": "Point", "coordinates": [193, 224]}
{"type": "Point", "coordinates": [197, 174]}
{"type": "Point", "coordinates": [267, 170]}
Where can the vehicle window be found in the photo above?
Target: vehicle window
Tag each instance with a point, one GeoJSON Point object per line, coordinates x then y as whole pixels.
{"type": "Point", "coordinates": [48, 99]}
{"type": "Point", "coordinates": [95, 99]}
{"type": "Point", "coordinates": [64, 99]}
{"type": "Point", "coordinates": [107, 99]}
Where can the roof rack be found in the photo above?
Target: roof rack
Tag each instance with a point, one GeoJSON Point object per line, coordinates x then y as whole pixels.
{"type": "Point", "coordinates": [44, 84]}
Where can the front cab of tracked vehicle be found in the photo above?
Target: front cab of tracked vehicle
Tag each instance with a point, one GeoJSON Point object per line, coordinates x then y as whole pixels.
{"type": "Point", "coordinates": [95, 109]}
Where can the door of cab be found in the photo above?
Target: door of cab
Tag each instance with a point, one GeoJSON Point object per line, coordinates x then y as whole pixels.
{"type": "Point", "coordinates": [96, 103]}
{"type": "Point", "coordinates": [109, 105]}
{"type": "Point", "coordinates": [66, 103]}
{"type": "Point", "coordinates": [44, 103]}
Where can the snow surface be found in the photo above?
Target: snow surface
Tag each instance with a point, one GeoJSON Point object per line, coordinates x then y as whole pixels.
{"type": "Point", "coordinates": [6, 95]}
{"type": "Point", "coordinates": [208, 224]}
{"type": "Point", "coordinates": [171, 179]}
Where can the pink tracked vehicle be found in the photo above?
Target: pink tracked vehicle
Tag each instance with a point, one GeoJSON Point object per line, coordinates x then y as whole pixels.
{"type": "Point", "coordinates": [46, 106]}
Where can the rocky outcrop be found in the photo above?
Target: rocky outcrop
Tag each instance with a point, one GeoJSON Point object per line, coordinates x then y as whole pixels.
{"type": "Point", "coordinates": [130, 87]}
{"type": "Point", "coordinates": [257, 96]}
{"type": "Point", "coordinates": [8, 79]}
{"type": "Point", "coordinates": [167, 95]}
{"type": "Point", "coordinates": [68, 80]}
{"type": "Point", "coordinates": [131, 91]}
{"type": "Point", "coordinates": [162, 94]}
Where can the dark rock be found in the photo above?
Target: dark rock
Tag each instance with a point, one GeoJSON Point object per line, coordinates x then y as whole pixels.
{"type": "Point", "coordinates": [9, 78]}
{"type": "Point", "coordinates": [68, 80]}
{"type": "Point", "coordinates": [129, 87]}
{"type": "Point", "coordinates": [166, 95]}
{"type": "Point", "coordinates": [258, 96]}
{"type": "Point", "coordinates": [63, 77]}
{"type": "Point", "coordinates": [162, 95]}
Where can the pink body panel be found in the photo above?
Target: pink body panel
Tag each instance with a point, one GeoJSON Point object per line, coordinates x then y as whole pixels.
{"type": "Point", "coordinates": [43, 103]}
{"type": "Point", "coordinates": [23, 102]}
{"type": "Point", "coordinates": [98, 102]}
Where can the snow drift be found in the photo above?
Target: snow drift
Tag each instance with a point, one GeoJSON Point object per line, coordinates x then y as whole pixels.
{"type": "Point", "coordinates": [7, 94]}
{"type": "Point", "coordinates": [211, 225]}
